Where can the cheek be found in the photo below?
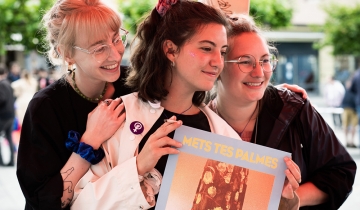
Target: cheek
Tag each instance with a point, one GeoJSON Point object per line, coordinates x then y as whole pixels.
{"type": "Point", "coordinates": [268, 76]}
{"type": "Point", "coordinates": [229, 78]}
{"type": "Point", "coordinates": [222, 65]}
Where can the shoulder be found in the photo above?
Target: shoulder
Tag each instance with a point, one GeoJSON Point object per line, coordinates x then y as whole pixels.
{"type": "Point", "coordinates": [54, 92]}
{"type": "Point", "coordinates": [5, 83]}
{"type": "Point", "coordinates": [281, 103]}
{"type": "Point", "coordinates": [288, 96]}
{"type": "Point", "coordinates": [134, 104]}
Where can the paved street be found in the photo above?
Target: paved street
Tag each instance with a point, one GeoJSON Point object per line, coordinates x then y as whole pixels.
{"type": "Point", "coordinates": [11, 197]}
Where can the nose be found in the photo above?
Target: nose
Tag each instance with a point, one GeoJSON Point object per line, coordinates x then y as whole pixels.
{"type": "Point", "coordinates": [258, 70]}
{"type": "Point", "coordinates": [217, 61]}
{"type": "Point", "coordinates": [116, 52]}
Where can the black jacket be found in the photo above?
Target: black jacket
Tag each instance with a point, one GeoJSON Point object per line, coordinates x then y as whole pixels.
{"type": "Point", "coordinates": [293, 125]}
{"type": "Point", "coordinates": [7, 100]}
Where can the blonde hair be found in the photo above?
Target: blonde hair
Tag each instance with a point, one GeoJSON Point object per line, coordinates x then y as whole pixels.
{"type": "Point", "coordinates": [241, 23]}
{"type": "Point", "coordinates": [68, 18]}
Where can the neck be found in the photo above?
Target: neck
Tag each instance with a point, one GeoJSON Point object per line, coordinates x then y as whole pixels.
{"type": "Point", "coordinates": [178, 102]}
{"type": "Point", "coordinates": [237, 115]}
{"type": "Point", "coordinates": [91, 89]}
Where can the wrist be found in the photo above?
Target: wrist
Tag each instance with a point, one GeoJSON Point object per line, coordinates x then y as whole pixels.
{"type": "Point", "coordinates": [140, 169]}
{"type": "Point", "coordinates": [85, 138]}
{"type": "Point", "coordinates": [85, 151]}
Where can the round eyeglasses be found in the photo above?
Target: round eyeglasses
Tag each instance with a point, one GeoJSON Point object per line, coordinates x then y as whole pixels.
{"type": "Point", "coordinates": [247, 63]}
{"type": "Point", "coordinates": [102, 52]}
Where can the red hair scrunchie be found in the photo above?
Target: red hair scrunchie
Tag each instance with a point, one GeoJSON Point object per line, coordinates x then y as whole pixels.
{"type": "Point", "coordinates": [163, 6]}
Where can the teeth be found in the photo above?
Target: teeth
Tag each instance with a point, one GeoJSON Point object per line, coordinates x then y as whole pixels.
{"type": "Point", "coordinates": [253, 84]}
{"type": "Point", "coordinates": [109, 67]}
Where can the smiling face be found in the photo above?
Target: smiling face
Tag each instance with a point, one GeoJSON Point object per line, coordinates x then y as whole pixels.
{"type": "Point", "coordinates": [240, 86]}
{"type": "Point", "coordinates": [201, 59]}
{"type": "Point", "coordinates": [87, 66]}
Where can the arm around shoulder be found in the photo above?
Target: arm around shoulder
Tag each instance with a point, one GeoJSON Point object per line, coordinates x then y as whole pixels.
{"type": "Point", "coordinates": [330, 168]}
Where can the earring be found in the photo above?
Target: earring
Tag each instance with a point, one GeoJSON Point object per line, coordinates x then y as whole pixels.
{"type": "Point", "coordinates": [172, 63]}
{"type": "Point", "coordinates": [71, 68]}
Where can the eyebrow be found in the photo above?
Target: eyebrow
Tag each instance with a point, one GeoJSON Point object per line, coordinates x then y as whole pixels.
{"type": "Point", "coordinates": [212, 43]}
{"type": "Point", "coordinates": [102, 41]}
{"type": "Point", "coordinates": [254, 56]}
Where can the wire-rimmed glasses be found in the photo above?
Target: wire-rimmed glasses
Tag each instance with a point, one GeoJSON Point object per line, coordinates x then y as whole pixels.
{"type": "Point", "coordinates": [102, 52]}
{"type": "Point", "coordinates": [247, 63]}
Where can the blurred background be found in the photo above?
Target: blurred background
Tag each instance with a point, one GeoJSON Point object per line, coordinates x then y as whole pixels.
{"type": "Point", "coordinates": [318, 43]}
{"type": "Point", "coordinates": [316, 39]}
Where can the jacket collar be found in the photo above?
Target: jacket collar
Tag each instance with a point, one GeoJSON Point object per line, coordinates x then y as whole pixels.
{"type": "Point", "coordinates": [278, 111]}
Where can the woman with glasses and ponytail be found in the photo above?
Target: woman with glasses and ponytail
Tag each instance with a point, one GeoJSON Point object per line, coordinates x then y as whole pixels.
{"type": "Point", "coordinates": [278, 118]}
{"type": "Point", "coordinates": [66, 123]}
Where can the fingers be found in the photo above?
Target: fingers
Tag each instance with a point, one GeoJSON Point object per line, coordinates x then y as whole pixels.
{"type": "Point", "coordinates": [288, 191]}
{"type": "Point", "coordinates": [293, 169]}
{"type": "Point", "coordinates": [120, 108]}
{"type": "Point", "coordinates": [291, 180]}
{"type": "Point", "coordinates": [295, 88]}
{"type": "Point", "coordinates": [160, 135]}
{"type": "Point", "coordinates": [115, 105]}
{"type": "Point", "coordinates": [302, 91]}
{"type": "Point", "coordinates": [158, 145]}
{"type": "Point", "coordinates": [107, 102]}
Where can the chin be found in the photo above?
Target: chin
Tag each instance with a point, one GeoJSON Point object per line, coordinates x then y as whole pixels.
{"type": "Point", "coordinates": [206, 87]}
{"type": "Point", "coordinates": [113, 78]}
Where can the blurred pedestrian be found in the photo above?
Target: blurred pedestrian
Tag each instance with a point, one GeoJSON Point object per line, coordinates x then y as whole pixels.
{"type": "Point", "coordinates": [15, 71]}
{"type": "Point", "coordinates": [6, 114]}
{"type": "Point", "coordinates": [350, 119]}
{"type": "Point", "coordinates": [334, 94]}
{"type": "Point", "coordinates": [43, 79]}
{"type": "Point", "coordinates": [355, 88]}
{"type": "Point", "coordinates": [24, 89]}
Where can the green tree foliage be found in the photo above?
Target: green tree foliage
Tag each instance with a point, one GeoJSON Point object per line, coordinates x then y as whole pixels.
{"type": "Point", "coordinates": [271, 13]}
{"type": "Point", "coordinates": [134, 10]}
{"type": "Point", "coordinates": [21, 17]}
{"type": "Point", "coordinates": [342, 29]}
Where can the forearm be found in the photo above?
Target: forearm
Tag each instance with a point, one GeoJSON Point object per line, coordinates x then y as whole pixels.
{"type": "Point", "coordinates": [71, 173]}
{"type": "Point", "coordinates": [118, 188]}
{"type": "Point", "coordinates": [310, 195]}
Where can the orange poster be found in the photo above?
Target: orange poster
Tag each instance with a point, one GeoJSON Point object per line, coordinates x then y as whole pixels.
{"type": "Point", "coordinates": [246, 176]}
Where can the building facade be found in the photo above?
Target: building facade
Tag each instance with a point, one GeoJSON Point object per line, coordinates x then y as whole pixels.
{"type": "Point", "coordinates": [299, 62]}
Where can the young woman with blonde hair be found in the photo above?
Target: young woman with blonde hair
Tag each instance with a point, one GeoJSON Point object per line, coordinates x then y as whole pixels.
{"type": "Point", "coordinates": [66, 122]}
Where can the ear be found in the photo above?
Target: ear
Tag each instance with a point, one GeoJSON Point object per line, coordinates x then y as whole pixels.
{"type": "Point", "coordinates": [169, 49]}
{"type": "Point", "coordinates": [68, 59]}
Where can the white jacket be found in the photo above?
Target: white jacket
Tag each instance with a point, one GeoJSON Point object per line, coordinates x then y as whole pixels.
{"type": "Point", "coordinates": [113, 183]}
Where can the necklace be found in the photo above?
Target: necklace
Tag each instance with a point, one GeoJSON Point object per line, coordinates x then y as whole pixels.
{"type": "Point", "coordinates": [172, 121]}
{"type": "Point", "coordinates": [94, 100]}
{"type": "Point", "coordinates": [256, 124]}
{"type": "Point", "coordinates": [240, 133]}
